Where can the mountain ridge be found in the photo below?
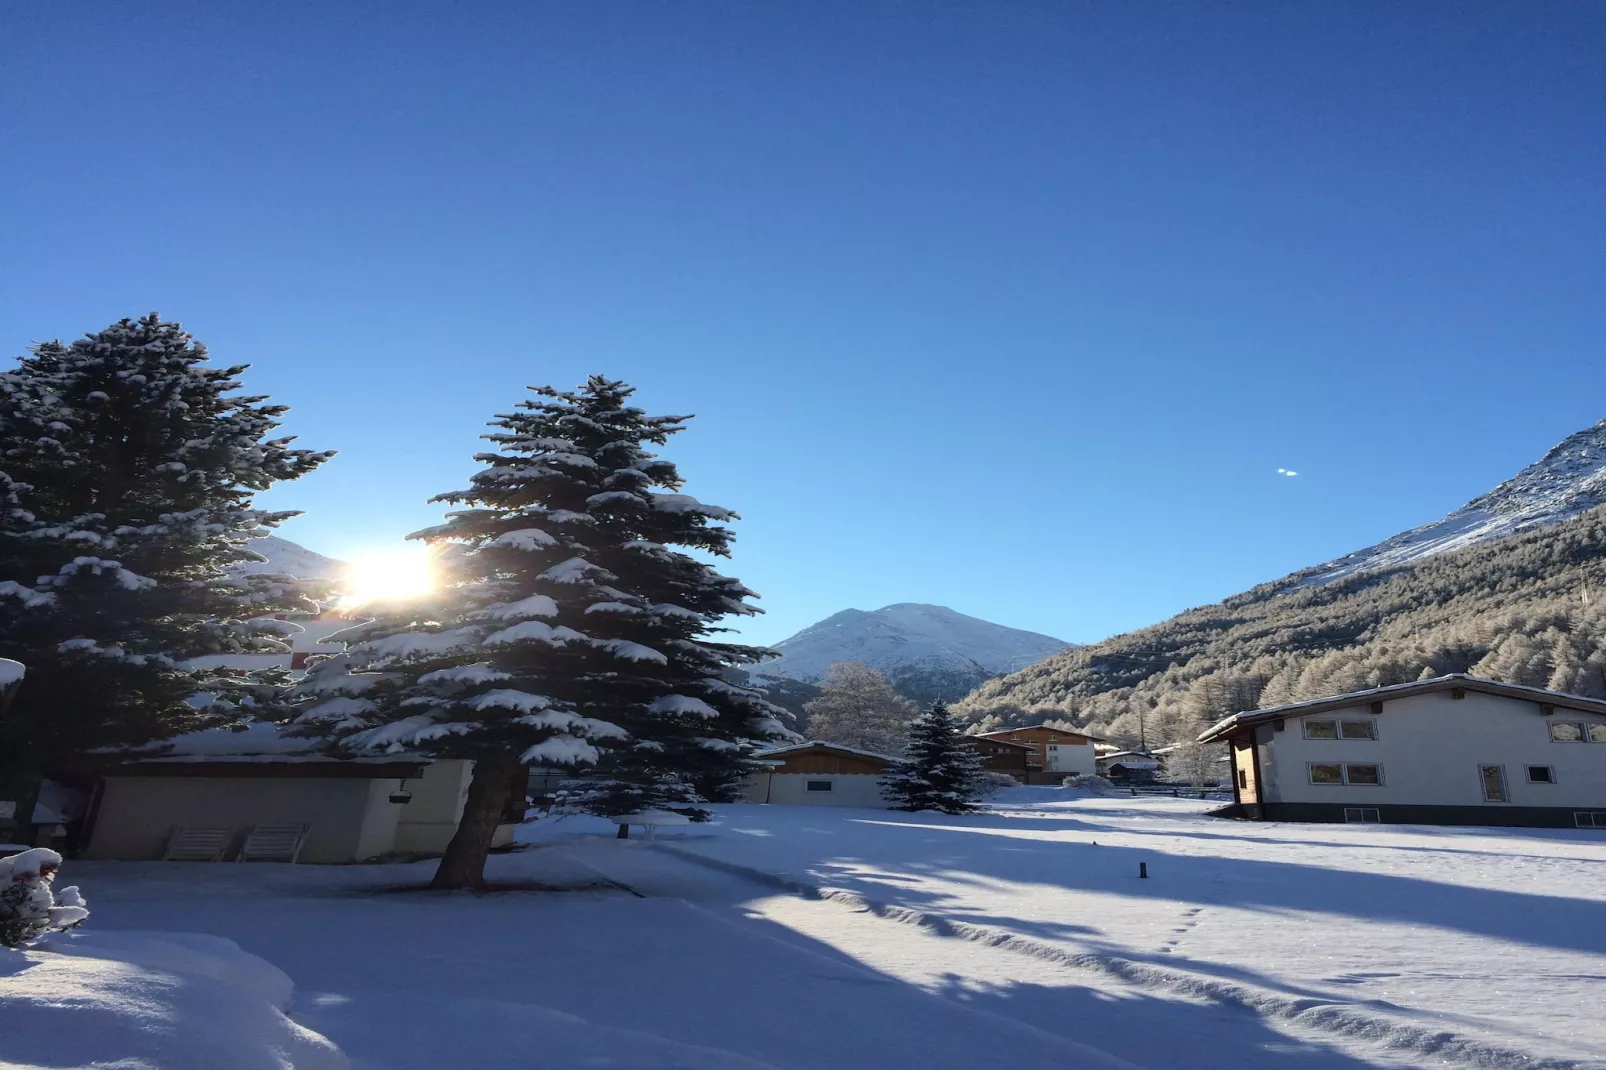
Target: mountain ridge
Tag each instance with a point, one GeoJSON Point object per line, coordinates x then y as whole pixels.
{"type": "Point", "coordinates": [1508, 586]}
{"type": "Point", "coordinates": [927, 651]}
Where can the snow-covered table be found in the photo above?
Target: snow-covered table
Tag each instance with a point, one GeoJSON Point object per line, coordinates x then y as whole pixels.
{"type": "Point", "coordinates": [649, 820]}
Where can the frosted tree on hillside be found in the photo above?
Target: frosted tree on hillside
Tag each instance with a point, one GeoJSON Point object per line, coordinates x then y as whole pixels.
{"type": "Point", "coordinates": [572, 631]}
{"type": "Point", "coordinates": [938, 771]}
{"type": "Point", "coordinates": [857, 707]}
{"type": "Point", "coordinates": [128, 465]}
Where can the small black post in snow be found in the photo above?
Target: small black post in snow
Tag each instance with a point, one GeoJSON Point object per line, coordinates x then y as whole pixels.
{"type": "Point", "coordinates": [1143, 869]}
{"type": "Point", "coordinates": [624, 831]}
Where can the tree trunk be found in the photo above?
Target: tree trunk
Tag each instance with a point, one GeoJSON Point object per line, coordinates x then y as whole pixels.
{"type": "Point", "coordinates": [25, 790]}
{"type": "Point", "coordinates": [463, 864]}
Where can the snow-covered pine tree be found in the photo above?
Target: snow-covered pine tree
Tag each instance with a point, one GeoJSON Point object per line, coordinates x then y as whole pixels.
{"type": "Point", "coordinates": [938, 771]}
{"type": "Point", "coordinates": [570, 631]}
{"type": "Point", "coordinates": [128, 465]}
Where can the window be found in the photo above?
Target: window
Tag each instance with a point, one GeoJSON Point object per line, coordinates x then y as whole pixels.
{"type": "Point", "coordinates": [1053, 739]}
{"type": "Point", "coordinates": [1361, 774]}
{"type": "Point", "coordinates": [1361, 815]}
{"type": "Point", "coordinates": [1326, 774]}
{"type": "Point", "coordinates": [1597, 733]}
{"type": "Point", "coordinates": [1566, 732]}
{"type": "Point", "coordinates": [819, 785]}
{"type": "Point", "coordinates": [1243, 779]}
{"type": "Point", "coordinates": [1585, 819]}
{"type": "Point", "coordinates": [1358, 729]}
{"type": "Point", "coordinates": [1494, 783]}
{"type": "Point", "coordinates": [1321, 729]}
{"type": "Point", "coordinates": [1053, 746]}
{"type": "Point", "coordinates": [1541, 774]}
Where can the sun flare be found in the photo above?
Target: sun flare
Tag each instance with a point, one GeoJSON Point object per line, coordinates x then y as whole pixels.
{"type": "Point", "coordinates": [394, 574]}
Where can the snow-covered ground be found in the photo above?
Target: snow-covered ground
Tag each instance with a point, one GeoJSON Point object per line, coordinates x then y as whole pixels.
{"type": "Point", "coordinates": [1022, 937]}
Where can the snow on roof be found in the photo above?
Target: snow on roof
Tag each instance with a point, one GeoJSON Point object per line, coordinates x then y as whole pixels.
{"type": "Point", "coordinates": [258, 742]}
{"type": "Point", "coordinates": [1045, 727]}
{"type": "Point", "coordinates": [11, 671]}
{"type": "Point", "coordinates": [1416, 687]}
{"type": "Point", "coordinates": [822, 743]}
{"type": "Point", "coordinates": [1137, 763]}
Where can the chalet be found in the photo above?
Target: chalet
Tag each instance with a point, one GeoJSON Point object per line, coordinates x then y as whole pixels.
{"type": "Point", "coordinates": [217, 786]}
{"type": "Point", "coordinates": [1456, 750]}
{"type": "Point", "coordinates": [1002, 756]}
{"type": "Point", "coordinates": [1056, 752]}
{"type": "Point", "coordinates": [1129, 766]}
{"type": "Point", "coordinates": [819, 774]}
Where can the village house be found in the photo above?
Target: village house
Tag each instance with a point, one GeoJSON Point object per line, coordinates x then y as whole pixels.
{"type": "Point", "coordinates": [1455, 750]}
{"type": "Point", "coordinates": [1056, 752]}
{"type": "Point", "coordinates": [1129, 766]}
{"type": "Point", "coordinates": [819, 774]}
{"type": "Point", "coordinates": [213, 790]}
{"type": "Point", "coordinates": [1002, 756]}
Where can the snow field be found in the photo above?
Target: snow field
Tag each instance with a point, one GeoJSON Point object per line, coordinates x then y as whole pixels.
{"type": "Point", "coordinates": [804, 938]}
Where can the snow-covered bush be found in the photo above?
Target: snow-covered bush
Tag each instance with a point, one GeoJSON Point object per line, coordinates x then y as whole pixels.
{"type": "Point", "coordinates": [1088, 782]}
{"type": "Point", "coordinates": [29, 906]}
{"type": "Point", "coordinates": [989, 784]}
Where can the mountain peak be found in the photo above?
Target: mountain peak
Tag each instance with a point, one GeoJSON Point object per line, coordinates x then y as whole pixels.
{"type": "Point", "coordinates": [927, 651]}
{"type": "Point", "coordinates": [1568, 480]}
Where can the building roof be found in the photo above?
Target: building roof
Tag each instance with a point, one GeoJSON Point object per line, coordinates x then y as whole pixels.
{"type": "Point", "coordinates": [1002, 742]}
{"type": "Point", "coordinates": [828, 746]}
{"type": "Point", "coordinates": [1134, 753]}
{"type": "Point", "coordinates": [1225, 727]}
{"type": "Point", "coordinates": [1046, 728]}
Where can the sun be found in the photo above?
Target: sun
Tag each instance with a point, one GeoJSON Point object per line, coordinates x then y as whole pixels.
{"type": "Point", "coordinates": [392, 574]}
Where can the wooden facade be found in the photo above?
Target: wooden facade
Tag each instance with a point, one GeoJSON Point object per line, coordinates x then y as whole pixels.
{"type": "Point", "coordinates": [1038, 738]}
{"type": "Point", "coordinates": [1002, 756]}
{"type": "Point", "coordinates": [823, 758]}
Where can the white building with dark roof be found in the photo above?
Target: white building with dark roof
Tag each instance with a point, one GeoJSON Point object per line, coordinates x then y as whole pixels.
{"type": "Point", "coordinates": [1455, 750]}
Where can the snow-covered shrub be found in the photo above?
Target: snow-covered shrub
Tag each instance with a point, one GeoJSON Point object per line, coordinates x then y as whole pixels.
{"type": "Point", "coordinates": [989, 784]}
{"type": "Point", "coordinates": [1087, 782]}
{"type": "Point", "coordinates": [29, 906]}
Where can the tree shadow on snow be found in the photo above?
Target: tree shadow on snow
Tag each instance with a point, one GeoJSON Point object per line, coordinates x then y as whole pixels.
{"type": "Point", "coordinates": [1520, 917]}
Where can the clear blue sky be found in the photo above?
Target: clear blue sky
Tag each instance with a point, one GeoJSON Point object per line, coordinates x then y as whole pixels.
{"type": "Point", "coordinates": [1012, 307]}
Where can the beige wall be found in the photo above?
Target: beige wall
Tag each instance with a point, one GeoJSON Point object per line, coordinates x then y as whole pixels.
{"type": "Point", "coordinates": [426, 824]}
{"type": "Point", "coordinates": [791, 789]}
{"type": "Point", "coordinates": [349, 816]}
{"type": "Point", "coordinates": [1430, 747]}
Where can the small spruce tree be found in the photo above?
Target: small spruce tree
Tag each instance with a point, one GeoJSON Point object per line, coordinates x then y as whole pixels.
{"type": "Point", "coordinates": [938, 771]}
{"type": "Point", "coordinates": [128, 465]}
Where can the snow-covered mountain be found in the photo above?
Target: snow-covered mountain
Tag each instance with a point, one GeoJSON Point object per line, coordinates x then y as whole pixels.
{"type": "Point", "coordinates": [293, 559]}
{"type": "Point", "coordinates": [1568, 480]}
{"type": "Point", "coordinates": [928, 652]}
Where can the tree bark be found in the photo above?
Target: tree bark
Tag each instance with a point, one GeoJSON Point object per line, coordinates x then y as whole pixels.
{"type": "Point", "coordinates": [463, 864]}
{"type": "Point", "coordinates": [25, 790]}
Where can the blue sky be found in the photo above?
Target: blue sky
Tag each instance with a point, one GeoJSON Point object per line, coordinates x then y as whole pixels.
{"type": "Point", "coordinates": [1012, 307]}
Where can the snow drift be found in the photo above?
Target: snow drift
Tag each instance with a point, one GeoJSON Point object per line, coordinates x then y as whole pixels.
{"type": "Point", "coordinates": [179, 1001]}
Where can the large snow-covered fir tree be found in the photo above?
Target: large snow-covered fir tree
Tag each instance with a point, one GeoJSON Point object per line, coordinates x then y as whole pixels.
{"type": "Point", "coordinates": [572, 630]}
{"type": "Point", "coordinates": [938, 771]}
{"type": "Point", "coordinates": [128, 465]}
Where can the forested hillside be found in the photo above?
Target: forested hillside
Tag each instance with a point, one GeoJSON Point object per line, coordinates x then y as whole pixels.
{"type": "Point", "coordinates": [1527, 608]}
